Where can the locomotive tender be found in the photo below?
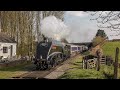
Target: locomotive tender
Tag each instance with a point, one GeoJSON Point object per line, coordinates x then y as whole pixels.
{"type": "Point", "coordinates": [50, 52]}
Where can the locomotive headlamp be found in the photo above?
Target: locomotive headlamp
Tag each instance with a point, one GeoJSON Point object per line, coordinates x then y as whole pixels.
{"type": "Point", "coordinates": [47, 40]}
{"type": "Point", "coordinates": [41, 57]}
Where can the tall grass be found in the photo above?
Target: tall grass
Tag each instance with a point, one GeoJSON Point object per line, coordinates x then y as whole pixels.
{"type": "Point", "coordinates": [110, 47]}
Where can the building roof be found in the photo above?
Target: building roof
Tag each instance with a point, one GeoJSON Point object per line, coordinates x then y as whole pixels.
{"type": "Point", "coordinates": [6, 39]}
{"type": "Point", "coordinates": [82, 43]}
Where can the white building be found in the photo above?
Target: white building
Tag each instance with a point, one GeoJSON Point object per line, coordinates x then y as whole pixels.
{"type": "Point", "coordinates": [7, 46]}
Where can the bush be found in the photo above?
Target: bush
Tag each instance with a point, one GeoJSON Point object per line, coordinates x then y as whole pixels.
{"type": "Point", "coordinates": [97, 40]}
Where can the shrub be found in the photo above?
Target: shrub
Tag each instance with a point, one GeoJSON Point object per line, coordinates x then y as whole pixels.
{"type": "Point", "coordinates": [97, 40]}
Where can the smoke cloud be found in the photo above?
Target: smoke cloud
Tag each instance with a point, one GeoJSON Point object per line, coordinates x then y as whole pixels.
{"type": "Point", "coordinates": [54, 28]}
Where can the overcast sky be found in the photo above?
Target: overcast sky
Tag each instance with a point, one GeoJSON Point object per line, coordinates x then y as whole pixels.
{"type": "Point", "coordinates": [82, 28]}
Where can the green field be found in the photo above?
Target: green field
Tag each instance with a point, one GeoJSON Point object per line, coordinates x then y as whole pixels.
{"type": "Point", "coordinates": [9, 72]}
{"type": "Point", "coordinates": [110, 47]}
{"type": "Point", "coordinates": [76, 71]}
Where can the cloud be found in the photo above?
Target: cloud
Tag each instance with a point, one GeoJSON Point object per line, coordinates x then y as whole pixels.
{"type": "Point", "coordinates": [77, 13]}
{"type": "Point", "coordinates": [82, 29]}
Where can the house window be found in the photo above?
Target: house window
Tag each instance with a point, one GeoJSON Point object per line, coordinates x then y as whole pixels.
{"type": "Point", "coordinates": [5, 49]}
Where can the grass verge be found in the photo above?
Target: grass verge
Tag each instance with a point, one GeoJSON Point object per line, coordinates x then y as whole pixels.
{"type": "Point", "coordinates": [106, 72]}
{"type": "Point", "coordinates": [8, 72]}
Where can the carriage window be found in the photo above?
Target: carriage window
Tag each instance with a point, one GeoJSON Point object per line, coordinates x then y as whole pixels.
{"type": "Point", "coordinates": [74, 48]}
{"type": "Point", "coordinates": [5, 49]}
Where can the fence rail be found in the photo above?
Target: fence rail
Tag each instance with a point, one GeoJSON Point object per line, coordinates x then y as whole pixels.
{"type": "Point", "coordinates": [105, 60]}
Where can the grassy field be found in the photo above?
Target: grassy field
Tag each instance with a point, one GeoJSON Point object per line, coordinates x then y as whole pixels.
{"type": "Point", "coordinates": [106, 72]}
{"type": "Point", "coordinates": [110, 47]}
{"type": "Point", "coordinates": [76, 71]}
{"type": "Point", "coordinates": [9, 72]}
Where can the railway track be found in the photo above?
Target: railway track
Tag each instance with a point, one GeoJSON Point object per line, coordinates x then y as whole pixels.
{"type": "Point", "coordinates": [41, 74]}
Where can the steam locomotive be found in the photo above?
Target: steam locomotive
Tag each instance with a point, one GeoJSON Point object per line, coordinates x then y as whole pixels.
{"type": "Point", "coordinates": [50, 53]}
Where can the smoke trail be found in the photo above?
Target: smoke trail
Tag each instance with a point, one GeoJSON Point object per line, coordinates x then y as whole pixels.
{"type": "Point", "coordinates": [54, 28]}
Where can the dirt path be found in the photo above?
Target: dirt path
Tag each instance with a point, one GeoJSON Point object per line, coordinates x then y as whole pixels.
{"type": "Point", "coordinates": [60, 70]}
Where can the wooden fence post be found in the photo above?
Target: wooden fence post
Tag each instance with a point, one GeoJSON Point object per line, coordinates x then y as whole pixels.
{"type": "Point", "coordinates": [98, 59]}
{"type": "Point", "coordinates": [83, 63]}
{"type": "Point", "coordinates": [116, 64]}
{"type": "Point", "coordinates": [98, 68]}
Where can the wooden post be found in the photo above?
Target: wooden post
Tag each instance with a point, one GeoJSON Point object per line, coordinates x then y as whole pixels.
{"type": "Point", "coordinates": [98, 68]}
{"type": "Point", "coordinates": [116, 64]}
{"type": "Point", "coordinates": [83, 64]}
{"type": "Point", "coordinates": [98, 59]}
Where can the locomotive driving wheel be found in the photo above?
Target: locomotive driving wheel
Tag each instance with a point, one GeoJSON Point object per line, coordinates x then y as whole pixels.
{"type": "Point", "coordinates": [44, 65]}
{"type": "Point", "coordinates": [37, 67]}
{"type": "Point", "coordinates": [58, 58]}
{"type": "Point", "coordinates": [41, 65]}
{"type": "Point", "coordinates": [54, 62]}
{"type": "Point", "coordinates": [49, 65]}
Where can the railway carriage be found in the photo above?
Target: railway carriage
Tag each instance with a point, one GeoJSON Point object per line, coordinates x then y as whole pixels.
{"type": "Point", "coordinates": [75, 49]}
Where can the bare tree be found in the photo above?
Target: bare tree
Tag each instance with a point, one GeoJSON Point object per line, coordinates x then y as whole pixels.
{"type": "Point", "coordinates": [108, 19]}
